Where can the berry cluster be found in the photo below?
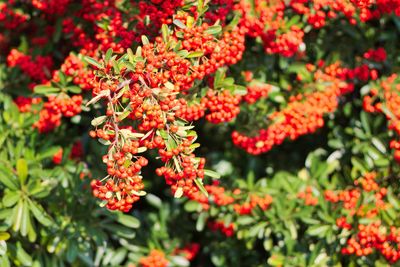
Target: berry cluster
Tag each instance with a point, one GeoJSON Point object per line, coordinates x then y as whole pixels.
{"type": "Point", "coordinates": [24, 104]}
{"type": "Point", "coordinates": [377, 55]}
{"type": "Point", "coordinates": [38, 69]}
{"type": "Point", "coordinates": [384, 98]}
{"type": "Point", "coordinates": [156, 258]}
{"type": "Point", "coordinates": [227, 230]}
{"type": "Point", "coordinates": [74, 67]}
{"type": "Point", "coordinates": [57, 157]}
{"type": "Point", "coordinates": [189, 251]}
{"type": "Point", "coordinates": [235, 199]}
{"type": "Point", "coordinates": [255, 201]}
{"type": "Point", "coordinates": [308, 197]}
{"type": "Point", "coordinates": [10, 19]}
{"type": "Point", "coordinates": [372, 237]}
{"type": "Point", "coordinates": [366, 201]}
{"type": "Point", "coordinates": [303, 115]}
{"type": "Point", "coordinates": [56, 107]}
{"type": "Point", "coordinates": [149, 97]}
{"type": "Point", "coordinates": [222, 107]}
{"type": "Point", "coordinates": [256, 91]}
{"type": "Point", "coordinates": [51, 7]}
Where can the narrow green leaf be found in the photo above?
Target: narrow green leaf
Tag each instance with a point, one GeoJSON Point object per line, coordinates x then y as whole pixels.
{"type": "Point", "coordinates": [17, 216]}
{"type": "Point", "coordinates": [145, 40]}
{"type": "Point", "coordinates": [200, 185]}
{"type": "Point", "coordinates": [63, 78]}
{"type": "Point", "coordinates": [178, 192]}
{"type": "Point", "coordinates": [25, 220]}
{"type": "Point", "coordinates": [127, 220]}
{"type": "Point", "coordinates": [154, 200]}
{"type": "Point", "coordinates": [212, 174]}
{"type": "Point", "coordinates": [40, 214]}
{"type": "Point", "coordinates": [179, 23]}
{"type": "Point", "coordinates": [192, 206]}
{"type": "Point", "coordinates": [22, 170]}
{"type": "Point", "coordinates": [195, 54]}
{"type": "Point", "coordinates": [124, 115]}
{"type": "Point", "coordinates": [379, 145]}
{"type": "Point", "coordinates": [10, 198]}
{"type": "Point", "coordinates": [214, 30]}
{"type": "Point", "coordinates": [45, 89]}
{"type": "Point", "coordinates": [99, 120]}
{"type": "Point", "coordinates": [131, 56]}
{"type": "Point", "coordinates": [93, 62]}
{"type": "Point", "coordinates": [164, 32]}
{"type": "Point", "coordinates": [23, 256]}
{"type": "Point", "coordinates": [8, 179]}
{"type": "Point", "coordinates": [318, 230]}
{"type": "Point", "coordinates": [201, 221]}
{"type": "Point", "coordinates": [108, 55]}
{"type": "Point", "coordinates": [74, 89]}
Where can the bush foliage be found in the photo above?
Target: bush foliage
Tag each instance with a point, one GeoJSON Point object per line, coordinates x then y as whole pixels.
{"type": "Point", "coordinates": [199, 133]}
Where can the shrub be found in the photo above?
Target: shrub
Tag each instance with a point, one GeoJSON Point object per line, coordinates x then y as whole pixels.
{"type": "Point", "coordinates": [199, 133]}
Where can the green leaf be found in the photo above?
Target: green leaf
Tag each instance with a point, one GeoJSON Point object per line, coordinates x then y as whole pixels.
{"type": "Point", "coordinates": [40, 214]}
{"type": "Point", "coordinates": [108, 55]}
{"type": "Point", "coordinates": [124, 115]}
{"type": "Point", "coordinates": [179, 261]}
{"type": "Point", "coordinates": [74, 89]}
{"type": "Point", "coordinates": [195, 54]}
{"type": "Point", "coordinates": [93, 62]}
{"type": "Point", "coordinates": [178, 192]}
{"type": "Point", "coordinates": [379, 145]}
{"type": "Point", "coordinates": [200, 185]}
{"type": "Point", "coordinates": [164, 32]}
{"type": "Point", "coordinates": [4, 236]}
{"type": "Point", "coordinates": [179, 23]}
{"type": "Point", "coordinates": [318, 230]}
{"type": "Point", "coordinates": [98, 121]}
{"type": "Point", "coordinates": [239, 90]}
{"type": "Point", "coordinates": [365, 123]}
{"type": "Point", "coordinates": [72, 251]}
{"type": "Point", "coordinates": [22, 170]}
{"type": "Point", "coordinates": [214, 30]}
{"type": "Point", "coordinates": [212, 174]}
{"type": "Point", "coordinates": [7, 178]}
{"type": "Point", "coordinates": [10, 198]}
{"type": "Point", "coordinates": [26, 220]}
{"type": "Point", "coordinates": [154, 200]}
{"type": "Point", "coordinates": [127, 220]}
{"type": "Point", "coordinates": [182, 53]}
{"type": "Point", "coordinates": [201, 221]}
{"type": "Point", "coordinates": [145, 40]}
{"type": "Point", "coordinates": [3, 251]}
{"type": "Point", "coordinates": [23, 256]}
{"type": "Point", "coordinates": [63, 78]}
{"type": "Point", "coordinates": [192, 206]}
{"type": "Point", "coordinates": [17, 216]}
{"type": "Point", "coordinates": [45, 89]}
